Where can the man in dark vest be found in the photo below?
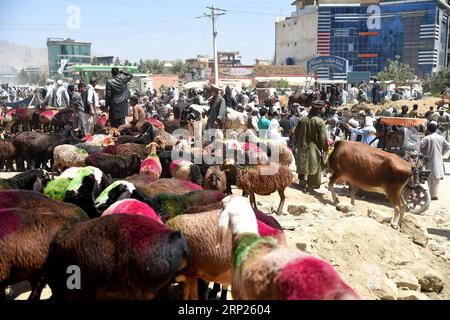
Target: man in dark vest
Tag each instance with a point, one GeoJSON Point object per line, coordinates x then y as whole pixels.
{"type": "Point", "coordinates": [116, 99]}
{"type": "Point", "coordinates": [217, 110]}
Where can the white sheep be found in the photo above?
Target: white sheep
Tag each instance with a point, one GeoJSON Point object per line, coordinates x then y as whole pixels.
{"type": "Point", "coordinates": [262, 270]}
{"type": "Point", "coordinates": [211, 263]}
{"type": "Point", "coordinates": [235, 120]}
{"type": "Point", "coordinates": [66, 156]}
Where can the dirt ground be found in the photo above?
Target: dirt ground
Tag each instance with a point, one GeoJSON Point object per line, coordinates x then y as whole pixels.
{"type": "Point", "coordinates": [424, 104]}
{"type": "Point", "coordinates": [362, 249]}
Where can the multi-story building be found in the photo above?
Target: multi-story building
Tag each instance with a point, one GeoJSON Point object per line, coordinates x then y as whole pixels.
{"type": "Point", "coordinates": [229, 58]}
{"type": "Point", "coordinates": [367, 33]}
{"type": "Point", "coordinates": [66, 49]}
{"type": "Point", "coordinates": [200, 69]}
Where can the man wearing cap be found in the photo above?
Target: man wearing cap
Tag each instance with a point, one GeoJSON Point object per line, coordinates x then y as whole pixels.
{"type": "Point", "coordinates": [217, 110]}
{"type": "Point", "coordinates": [62, 96]}
{"type": "Point", "coordinates": [443, 119]}
{"type": "Point", "coordinates": [311, 139]}
{"type": "Point", "coordinates": [434, 147]}
{"type": "Point", "coordinates": [49, 93]}
{"type": "Point", "coordinates": [368, 132]}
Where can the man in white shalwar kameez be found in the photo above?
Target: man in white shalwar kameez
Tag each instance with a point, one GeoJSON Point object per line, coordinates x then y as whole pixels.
{"type": "Point", "coordinates": [434, 147]}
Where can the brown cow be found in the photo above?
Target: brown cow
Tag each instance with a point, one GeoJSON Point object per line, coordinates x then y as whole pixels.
{"type": "Point", "coordinates": [373, 170]}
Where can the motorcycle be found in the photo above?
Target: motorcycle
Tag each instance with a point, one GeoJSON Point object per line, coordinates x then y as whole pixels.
{"type": "Point", "coordinates": [417, 198]}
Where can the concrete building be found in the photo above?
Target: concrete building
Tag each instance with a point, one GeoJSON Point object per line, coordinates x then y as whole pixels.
{"type": "Point", "coordinates": [229, 58]}
{"type": "Point", "coordinates": [262, 62]}
{"type": "Point", "coordinates": [104, 60]}
{"type": "Point", "coordinates": [66, 49]}
{"type": "Point", "coordinates": [367, 33]}
{"type": "Point", "coordinates": [296, 36]}
{"type": "Point", "coordinates": [200, 68]}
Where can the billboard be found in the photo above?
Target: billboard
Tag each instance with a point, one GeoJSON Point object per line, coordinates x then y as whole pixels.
{"type": "Point", "coordinates": [328, 62]}
{"type": "Point", "coordinates": [280, 71]}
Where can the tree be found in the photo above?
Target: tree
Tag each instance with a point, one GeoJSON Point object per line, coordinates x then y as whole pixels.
{"type": "Point", "coordinates": [95, 61]}
{"type": "Point", "coordinates": [280, 84]}
{"type": "Point", "coordinates": [400, 73]}
{"type": "Point", "coordinates": [126, 63]}
{"type": "Point", "coordinates": [117, 61]}
{"type": "Point", "coordinates": [141, 66]}
{"type": "Point", "coordinates": [22, 77]}
{"type": "Point", "coordinates": [438, 82]}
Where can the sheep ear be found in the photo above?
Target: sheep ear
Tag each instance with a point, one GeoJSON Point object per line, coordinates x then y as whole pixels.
{"type": "Point", "coordinates": [224, 221]}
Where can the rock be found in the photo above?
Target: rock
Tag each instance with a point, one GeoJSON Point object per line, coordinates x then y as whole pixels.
{"type": "Point", "coordinates": [411, 295]}
{"type": "Point", "coordinates": [297, 210]}
{"type": "Point", "coordinates": [411, 226]}
{"type": "Point", "coordinates": [350, 214]}
{"type": "Point", "coordinates": [386, 289]}
{"type": "Point", "coordinates": [380, 216]}
{"type": "Point", "coordinates": [289, 227]}
{"type": "Point", "coordinates": [404, 279]}
{"type": "Point", "coordinates": [301, 246]}
{"type": "Point", "coordinates": [345, 207]}
{"type": "Point", "coordinates": [431, 281]}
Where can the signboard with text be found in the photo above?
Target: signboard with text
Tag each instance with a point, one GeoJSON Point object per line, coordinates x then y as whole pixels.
{"type": "Point", "coordinates": [329, 62]}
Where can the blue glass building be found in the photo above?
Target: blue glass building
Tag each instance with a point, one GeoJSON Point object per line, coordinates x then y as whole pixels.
{"type": "Point", "coordinates": [369, 35]}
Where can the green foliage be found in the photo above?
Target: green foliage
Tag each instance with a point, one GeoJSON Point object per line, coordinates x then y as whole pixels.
{"type": "Point", "coordinates": [156, 66]}
{"type": "Point", "coordinates": [438, 82]}
{"type": "Point", "coordinates": [95, 61]}
{"type": "Point", "coordinates": [400, 73]}
{"type": "Point", "coordinates": [281, 84]}
{"type": "Point", "coordinates": [117, 61]}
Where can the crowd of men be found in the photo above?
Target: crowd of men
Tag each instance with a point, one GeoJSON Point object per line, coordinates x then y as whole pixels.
{"type": "Point", "coordinates": [309, 132]}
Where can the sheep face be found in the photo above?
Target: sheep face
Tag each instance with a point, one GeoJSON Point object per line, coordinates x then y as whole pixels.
{"type": "Point", "coordinates": [41, 181]}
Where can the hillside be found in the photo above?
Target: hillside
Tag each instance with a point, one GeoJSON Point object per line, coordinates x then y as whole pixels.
{"type": "Point", "coordinates": [19, 56]}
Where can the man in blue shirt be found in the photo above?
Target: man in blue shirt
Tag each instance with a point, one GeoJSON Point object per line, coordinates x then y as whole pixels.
{"type": "Point", "coordinates": [263, 124]}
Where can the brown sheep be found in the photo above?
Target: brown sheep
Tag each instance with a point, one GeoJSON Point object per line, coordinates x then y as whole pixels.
{"type": "Point", "coordinates": [209, 262]}
{"type": "Point", "coordinates": [215, 179]}
{"type": "Point", "coordinates": [37, 202]}
{"type": "Point", "coordinates": [25, 238]}
{"type": "Point", "coordinates": [264, 180]}
{"type": "Point", "coordinates": [7, 155]}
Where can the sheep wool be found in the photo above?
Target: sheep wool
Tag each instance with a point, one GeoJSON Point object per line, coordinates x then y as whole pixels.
{"type": "Point", "coordinates": [57, 189]}
{"type": "Point", "coordinates": [262, 270]}
{"type": "Point", "coordinates": [186, 170]}
{"type": "Point", "coordinates": [132, 206]}
{"type": "Point", "coordinates": [152, 166]}
{"type": "Point", "coordinates": [77, 181]}
{"type": "Point", "coordinates": [103, 197]}
{"type": "Point", "coordinates": [38, 203]}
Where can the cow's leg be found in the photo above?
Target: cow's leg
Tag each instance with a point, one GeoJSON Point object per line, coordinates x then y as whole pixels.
{"type": "Point", "coordinates": [352, 189]}
{"type": "Point", "coordinates": [331, 188]}
{"type": "Point", "coordinates": [282, 199]}
{"type": "Point", "coordinates": [396, 200]}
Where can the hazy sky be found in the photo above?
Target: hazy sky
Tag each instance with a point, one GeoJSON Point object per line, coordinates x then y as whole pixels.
{"type": "Point", "coordinates": [164, 29]}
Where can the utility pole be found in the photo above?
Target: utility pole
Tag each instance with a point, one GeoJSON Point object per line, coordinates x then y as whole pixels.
{"type": "Point", "coordinates": [215, 12]}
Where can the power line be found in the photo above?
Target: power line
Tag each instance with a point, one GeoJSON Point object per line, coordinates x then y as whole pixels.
{"type": "Point", "coordinates": [215, 13]}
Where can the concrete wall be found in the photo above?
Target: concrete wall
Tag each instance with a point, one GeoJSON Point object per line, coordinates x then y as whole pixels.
{"type": "Point", "coordinates": [297, 38]}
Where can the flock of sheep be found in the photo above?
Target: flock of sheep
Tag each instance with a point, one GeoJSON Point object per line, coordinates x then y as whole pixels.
{"type": "Point", "coordinates": [139, 224]}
